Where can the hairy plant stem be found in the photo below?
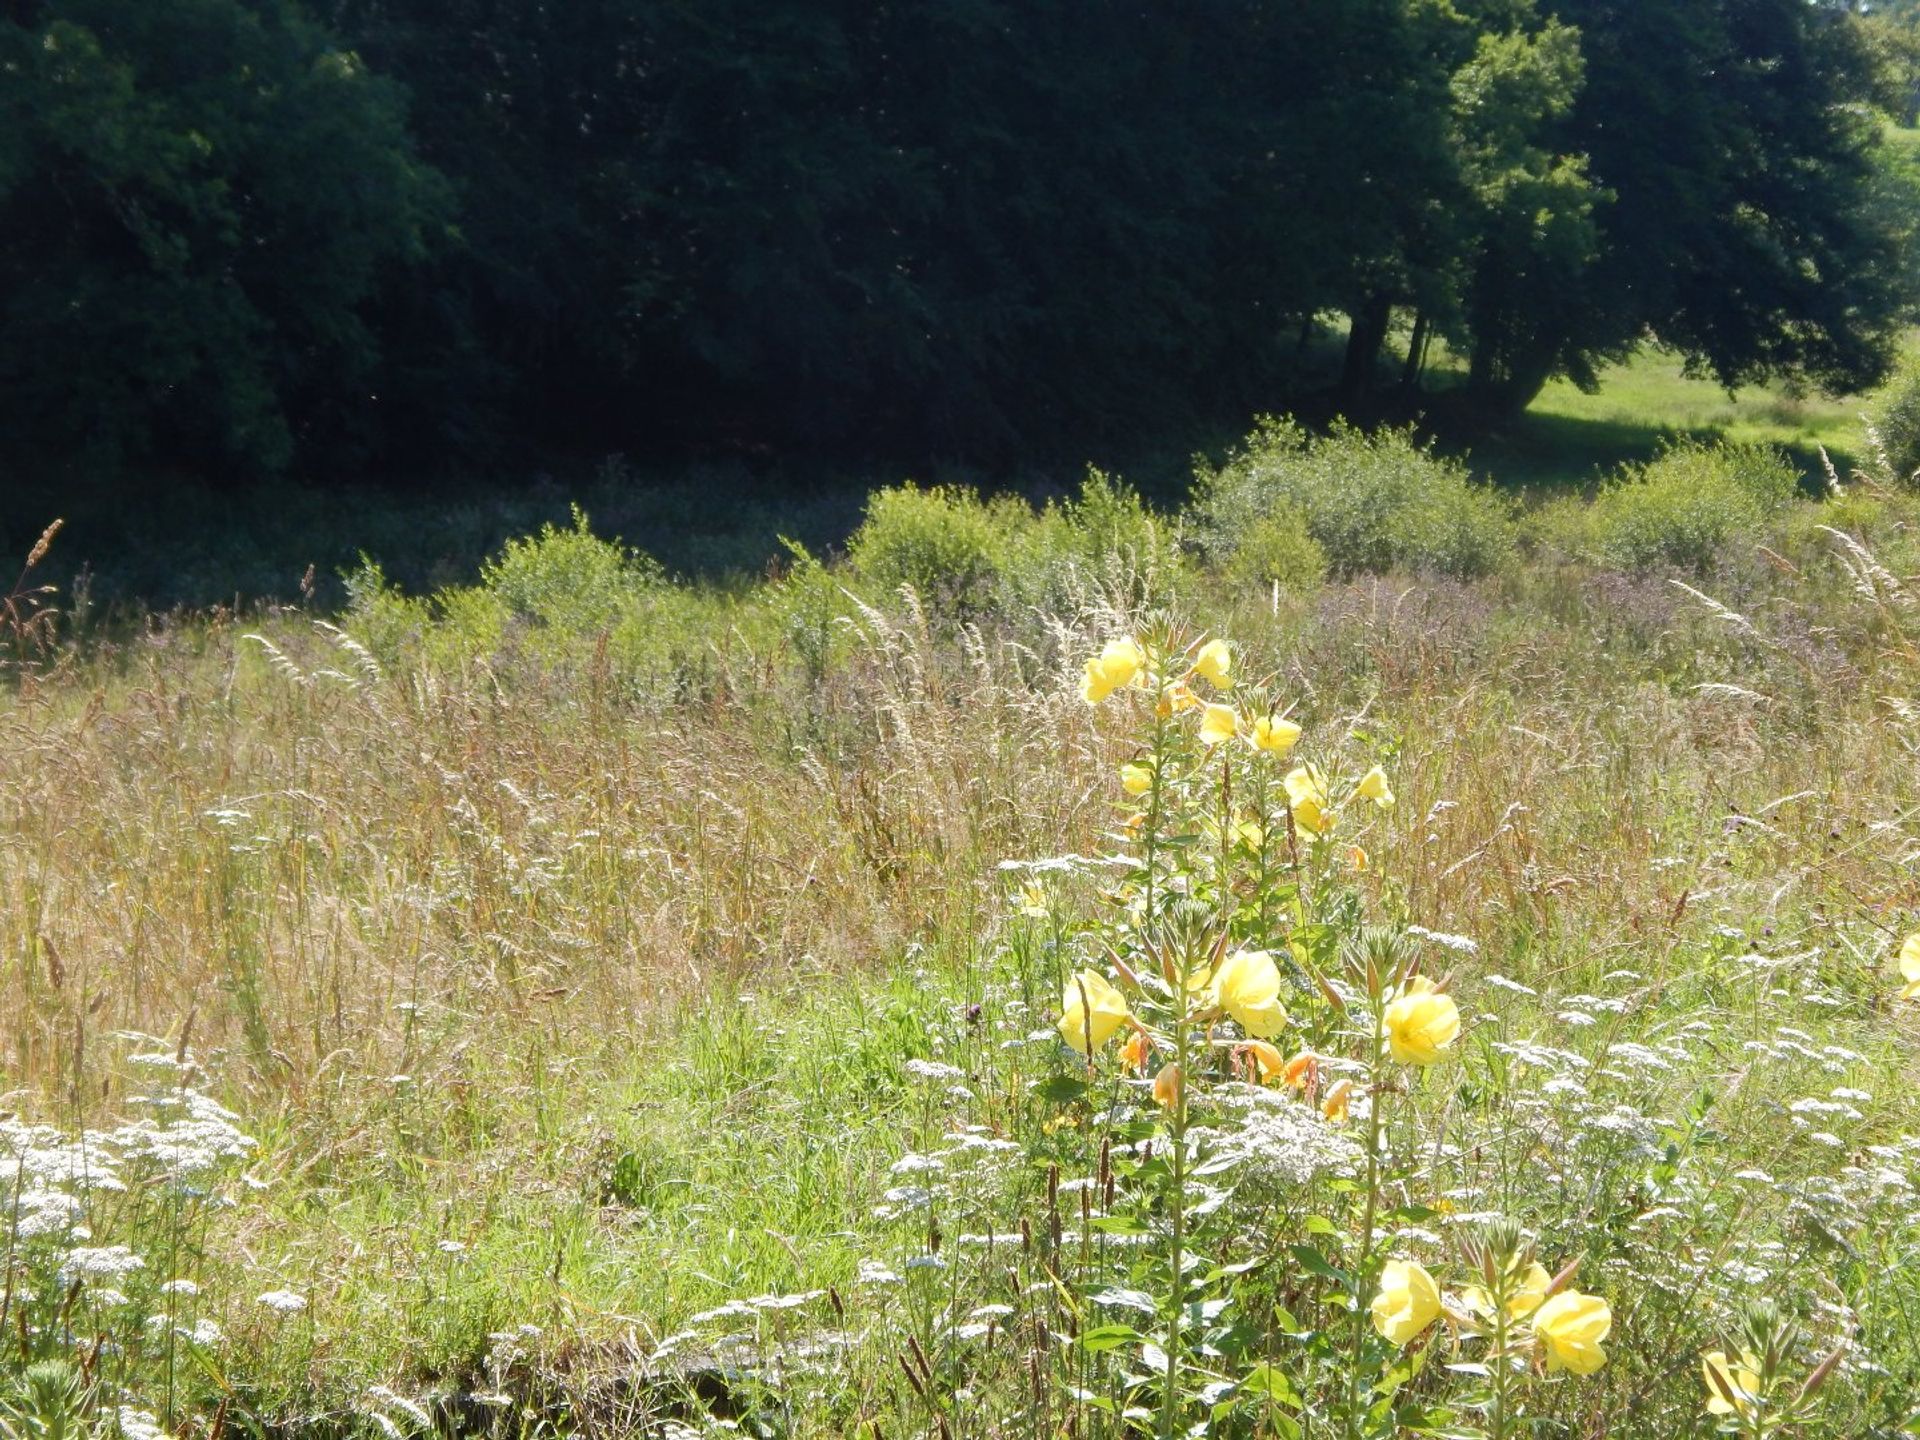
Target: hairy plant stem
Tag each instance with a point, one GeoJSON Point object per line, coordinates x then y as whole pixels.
{"type": "Point", "coordinates": [1170, 1396]}
{"type": "Point", "coordinates": [1363, 1267]}
{"type": "Point", "coordinates": [1502, 1369]}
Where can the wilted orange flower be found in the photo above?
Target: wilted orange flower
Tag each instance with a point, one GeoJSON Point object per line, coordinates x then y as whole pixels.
{"type": "Point", "coordinates": [1262, 1060]}
{"type": "Point", "coordinates": [1166, 1086]}
{"type": "Point", "coordinates": [1339, 1102]}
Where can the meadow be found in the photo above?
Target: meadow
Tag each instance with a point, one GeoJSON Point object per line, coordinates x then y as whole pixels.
{"type": "Point", "coordinates": [1350, 956]}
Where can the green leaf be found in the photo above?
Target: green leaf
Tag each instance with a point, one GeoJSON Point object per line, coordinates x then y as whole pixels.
{"type": "Point", "coordinates": [1101, 1338]}
{"type": "Point", "coordinates": [1061, 1089]}
{"type": "Point", "coordinates": [1314, 1263]}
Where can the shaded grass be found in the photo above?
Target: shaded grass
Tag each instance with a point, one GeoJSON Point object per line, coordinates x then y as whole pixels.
{"type": "Point", "coordinates": [1570, 440]}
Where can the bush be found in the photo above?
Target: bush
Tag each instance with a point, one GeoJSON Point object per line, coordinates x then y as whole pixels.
{"type": "Point", "coordinates": [1279, 549]}
{"type": "Point", "coordinates": [1686, 506]}
{"type": "Point", "coordinates": [569, 580]}
{"type": "Point", "coordinates": [1893, 426]}
{"type": "Point", "coordinates": [1372, 502]}
{"type": "Point", "coordinates": [1104, 539]}
{"type": "Point", "coordinates": [945, 542]}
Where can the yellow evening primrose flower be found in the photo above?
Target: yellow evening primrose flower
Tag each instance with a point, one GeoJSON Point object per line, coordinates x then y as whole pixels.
{"type": "Point", "coordinates": [1527, 1295]}
{"type": "Point", "coordinates": [1910, 968]}
{"type": "Point", "coordinates": [1408, 1302]}
{"type": "Point", "coordinates": [1373, 786]}
{"type": "Point", "coordinates": [1217, 724]}
{"type": "Point", "coordinates": [1570, 1326]}
{"type": "Point", "coordinates": [1091, 1010]}
{"type": "Point", "coordinates": [1421, 1023]}
{"type": "Point", "coordinates": [1274, 735]}
{"type": "Point", "coordinates": [1134, 1053]}
{"type": "Point", "coordinates": [1214, 664]}
{"type": "Point", "coordinates": [1732, 1385]}
{"type": "Point", "coordinates": [1307, 795]}
{"type": "Point", "coordinates": [1247, 987]}
{"type": "Point", "coordinates": [1356, 859]}
{"type": "Point", "coordinates": [1136, 779]}
{"type": "Point", "coordinates": [1118, 664]}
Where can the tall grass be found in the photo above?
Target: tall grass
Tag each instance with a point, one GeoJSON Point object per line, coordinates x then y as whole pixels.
{"type": "Point", "coordinates": [589, 959]}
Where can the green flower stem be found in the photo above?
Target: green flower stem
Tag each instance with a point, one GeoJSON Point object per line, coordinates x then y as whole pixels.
{"type": "Point", "coordinates": [1363, 1268]}
{"type": "Point", "coordinates": [1170, 1396]}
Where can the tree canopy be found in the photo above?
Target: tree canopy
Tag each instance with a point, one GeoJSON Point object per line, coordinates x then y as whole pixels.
{"type": "Point", "coordinates": [255, 233]}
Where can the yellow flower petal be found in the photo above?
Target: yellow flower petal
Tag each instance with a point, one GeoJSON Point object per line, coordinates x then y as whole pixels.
{"type": "Point", "coordinates": [1373, 786]}
{"type": "Point", "coordinates": [1570, 1327]}
{"type": "Point", "coordinates": [1247, 987]}
{"type": "Point", "coordinates": [1421, 1024]}
{"type": "Point", "coordinates": [1091, 1010]}
{"type": "Point", "coordinates": [1214, 664]}
{"type": "Point", "coordinates": [1136, 779]}
{"type": "Point", "coordinates": [1217, 724]}
{"type": "Point", "coordinates": [1408, 1302]}
{"type": "Point", "coordinates": [1119, 663]}
{"type": "Point", "coordinates": [1733, 1386]}
{"type": "Point", "coordinates": [1274, 735]}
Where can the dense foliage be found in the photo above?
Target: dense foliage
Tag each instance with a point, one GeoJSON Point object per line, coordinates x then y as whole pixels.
{"type": "Point", "coordinates": [259, 232]}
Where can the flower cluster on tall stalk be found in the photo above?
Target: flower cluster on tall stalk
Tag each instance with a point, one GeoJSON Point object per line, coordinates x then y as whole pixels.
{"type": "Point", "coordinates": [1257, 946]}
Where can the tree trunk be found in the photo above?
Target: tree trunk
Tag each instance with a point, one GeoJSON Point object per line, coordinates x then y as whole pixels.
{"type": "Point", "coordinates": [1367, 334]}
{"type": "Point", "coordinates": [1416, 353]}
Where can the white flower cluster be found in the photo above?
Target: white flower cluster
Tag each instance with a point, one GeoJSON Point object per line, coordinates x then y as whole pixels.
{"type": "Point", "coordinates": [1278, 1140]}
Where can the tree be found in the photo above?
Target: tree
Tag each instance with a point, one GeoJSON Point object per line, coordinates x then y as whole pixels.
{"type": "Point", "coordinates": [1732, 151]}
{"type": "Point", "coordinates": [198, 201]}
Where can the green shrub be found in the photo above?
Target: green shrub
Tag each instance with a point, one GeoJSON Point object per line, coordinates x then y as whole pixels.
{"type": "Point", "coordinates": [1686, 506]}
{"type": "Point", "coordinates": [1372, 502]}
{"type": "Point", "coordinates": [1105, 539]}
{"type": "Point", "coordinates": [1893, 426]}
{"type": "Point", "coordinates": [1279, 549]}
{"type": "Point", "coordinates": [569, 580]}
{"type": "Point", "coordinates": [945, 542]}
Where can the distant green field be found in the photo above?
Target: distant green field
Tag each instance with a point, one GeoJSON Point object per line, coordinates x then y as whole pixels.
{"type": "Point", "coordinates": [1568, 438]}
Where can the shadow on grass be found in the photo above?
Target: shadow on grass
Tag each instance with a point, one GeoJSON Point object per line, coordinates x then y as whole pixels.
{"type": "Point", "coordinates": [1545, 452]}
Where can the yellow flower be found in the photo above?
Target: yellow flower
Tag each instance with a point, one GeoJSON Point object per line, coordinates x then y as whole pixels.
{"type": "Point", "coordinates": [1910, 968]}
{"type": "Point", "coordinates": [1091, 1011]}
{"type": "Point", "coordinates": [1356, 859]}
{"type": "Point", "coordinates": [1339, 1102]}
{"type": "Point", "coordinates": [1134, 1053]}
{"type": "Point", "coordinates": [1571, 1326]}
{"type": "Point", "coordinates": [1525, 1296]}
{"type": "Point", "coordinates": [1219, 723]}
{"type": "Point", "coordinates": [1247, 987]}
{"type": "Point", "coordinates": [1307, 794]}
{"type": "Point", "coordinates": [1178, 697]}
{"type": "Point", "coordinates": [1118, 664]}
{"type": "Point", "coordinates": [1264, 1059]}
{"type": "Point", "coordinates": [1302, 1070]}
{"type": "Point", "coordinates": [1033, 902]}
{"type": "Point", "coordinates": [1421, 1023]}
{"type": "Point", "coordinates": [1408, 1301]}
{"type": "Point", "coordinates": [1732, 1385]}
{"type": "Point", "coordinates": [1214, 664]}
{"type": "Point", "coordinates": [1274, 735]}
{"type": "Point", "coordinates": [1166, 1086]}
{"type": "Point", "coordinates": [1136, 779]}
{"type": "Point", "coordinates": [1373, 786]}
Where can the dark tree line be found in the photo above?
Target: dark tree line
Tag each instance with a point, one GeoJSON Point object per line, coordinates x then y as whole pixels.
{"type": "Point", "coordinates": [254, 233]}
